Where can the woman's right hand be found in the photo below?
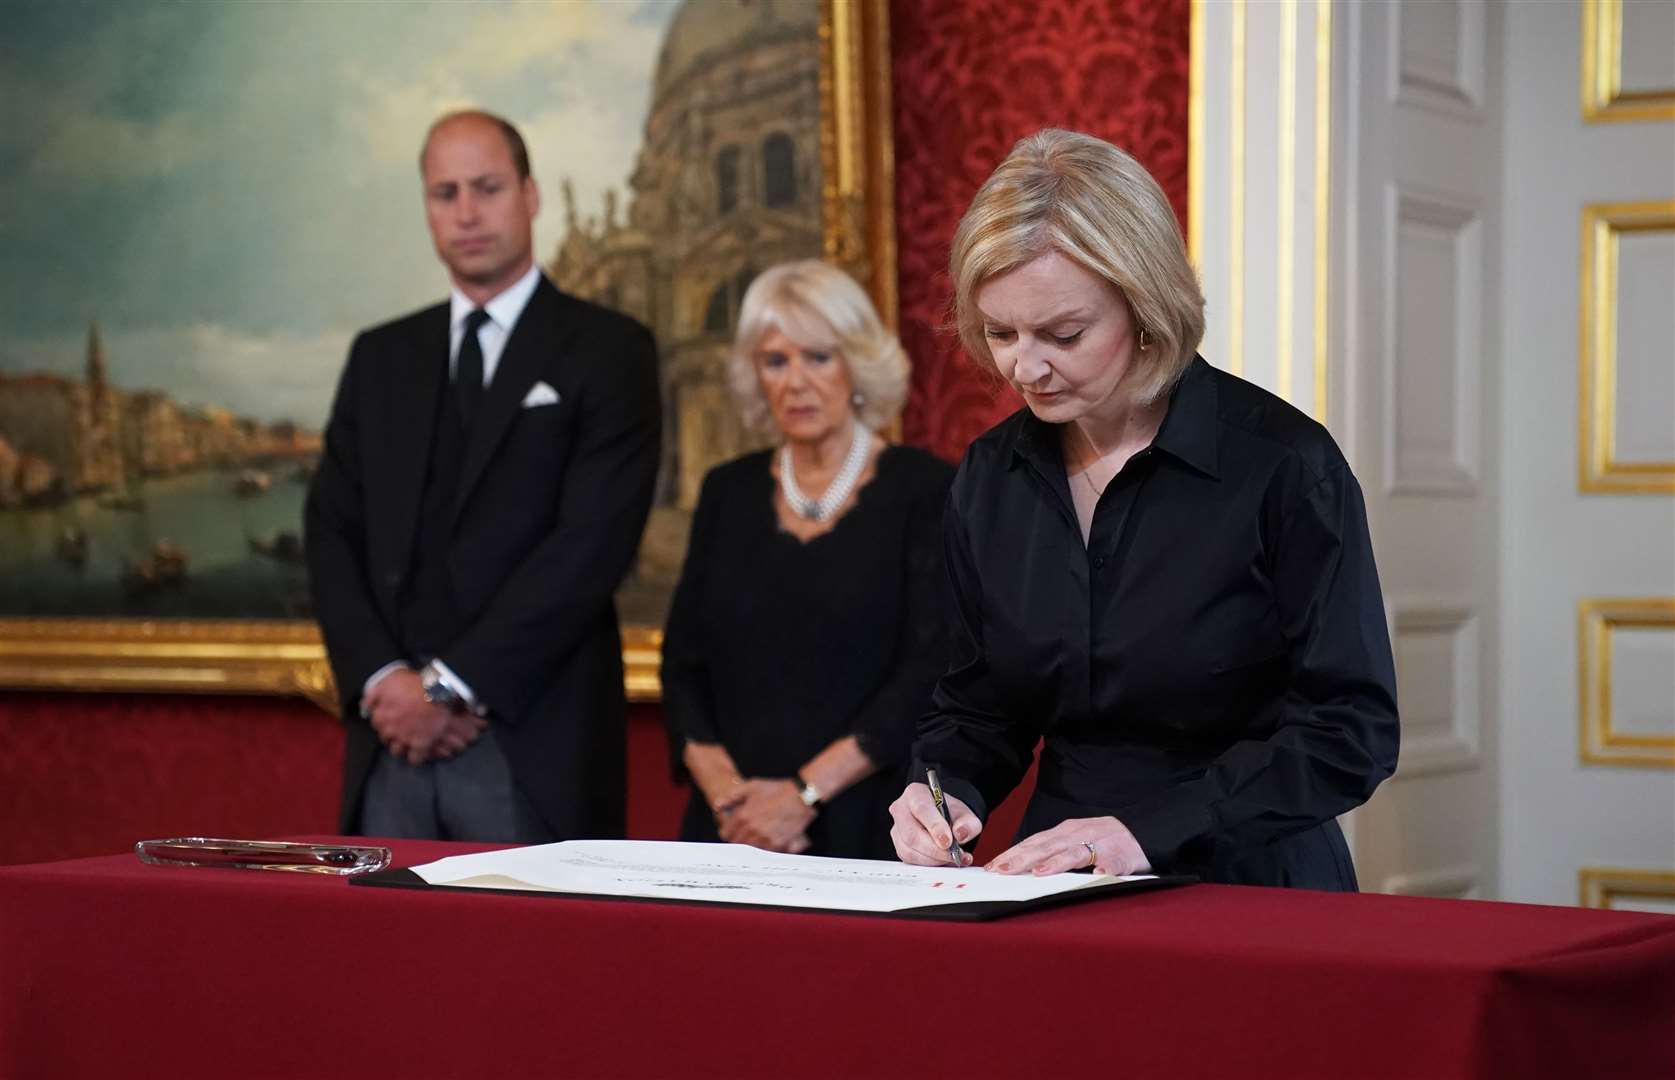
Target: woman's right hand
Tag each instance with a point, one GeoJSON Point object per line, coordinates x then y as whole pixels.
{"type": "Point", "coordinates": [715, 774]}
{"type": "Point", "coordinates": [919, 833]}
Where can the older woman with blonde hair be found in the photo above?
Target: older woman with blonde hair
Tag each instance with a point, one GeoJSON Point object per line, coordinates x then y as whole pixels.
{"type": "Point", "coordinates": [1161, 572]}
{"type": "Point", "coordinates": [805, 633]}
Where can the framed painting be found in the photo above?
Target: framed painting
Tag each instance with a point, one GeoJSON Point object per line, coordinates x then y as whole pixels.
{"type": "Point", "coordinates": [195, 233]}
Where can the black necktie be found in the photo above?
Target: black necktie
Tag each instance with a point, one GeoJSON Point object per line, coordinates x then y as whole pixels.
{"type": "Point", "coordinates": [468, 368]}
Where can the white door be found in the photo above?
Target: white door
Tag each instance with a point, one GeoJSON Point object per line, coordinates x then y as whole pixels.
{"type": "Point", "coordinates": [1588, 460]}
{"type": "Point", "coordinates": [1420, 227]}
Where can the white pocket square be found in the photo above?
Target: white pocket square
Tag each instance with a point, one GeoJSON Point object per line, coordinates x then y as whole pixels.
{"type": "Point", "coordinates": [540, 394]}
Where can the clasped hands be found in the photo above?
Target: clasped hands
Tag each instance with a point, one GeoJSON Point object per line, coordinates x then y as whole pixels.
{"type": "Point", "coordinates": [762, 812]}
{"type": "Point", "coordinates": [414, 729]}
{"type": "Point", "coordinates": [921, 838]}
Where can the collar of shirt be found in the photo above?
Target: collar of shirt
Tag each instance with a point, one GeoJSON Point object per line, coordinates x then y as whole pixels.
{"type": "Point", "coordinates": [503, 311]}
{"type": "Point", "coordinates": [1188, 432]}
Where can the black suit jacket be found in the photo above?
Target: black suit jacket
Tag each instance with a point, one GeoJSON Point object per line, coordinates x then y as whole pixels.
{"type": "Point", "coordinates": [550, 506]}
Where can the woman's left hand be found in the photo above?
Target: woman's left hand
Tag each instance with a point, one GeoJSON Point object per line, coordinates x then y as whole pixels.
{"type": "Point", "coordinates": [768, 814]}
{"type": "Point", "coordinates": [1066, 846]}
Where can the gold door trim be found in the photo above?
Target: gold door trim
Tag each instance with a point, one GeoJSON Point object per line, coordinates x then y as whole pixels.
{"type": "Point", "coordinates": [1597, 620]}
{"type": "Point", "coordinates": [1598, 886]}
{"type": "Point", "coordinates": [1598, 469]}
{"type": "Point", "coordinates": [1603, 98]}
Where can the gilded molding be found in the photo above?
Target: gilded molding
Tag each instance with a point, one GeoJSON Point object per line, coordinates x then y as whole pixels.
{"type": "Point", "coordinates": [279, 658]}
{"type": "Point", "coordinates": [205, 656]}
{"type": "Point", "coordinates": [1285, 278]}
{"type": "Point", "coordinates": [642, 659]}
{"type": "Point", "coordinates": [1597, 468]}
{"type": "Point", "coordinates": [1603, 98]}
{"type": "Point", "coordinates": [282, 658]}
{"type": "Point", "coordinates": [1596, 620]}
{"type": "Point", "coordinates": [1598, 887]}
{"type": "Point", "coordinates": [1236, 210]}
{"type": "Point", "coordinates": [857, 154]}
{"type": "Point", "coordinates": [1224, 80]}
{"type": "Point", "coordinates": [1322, 203]}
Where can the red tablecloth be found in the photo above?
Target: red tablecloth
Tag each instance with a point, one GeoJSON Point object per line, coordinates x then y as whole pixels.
{"type": "Point", "coordinates": [109, 967]}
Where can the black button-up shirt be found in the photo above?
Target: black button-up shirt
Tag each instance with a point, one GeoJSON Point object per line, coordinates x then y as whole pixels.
{"type": "Point", "coordinates": [1212, 668]}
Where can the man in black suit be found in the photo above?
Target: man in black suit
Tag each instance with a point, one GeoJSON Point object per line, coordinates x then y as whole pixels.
{"type": "Point", "coordinates": [488, 468]}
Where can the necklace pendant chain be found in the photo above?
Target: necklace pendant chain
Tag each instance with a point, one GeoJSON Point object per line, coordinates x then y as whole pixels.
{"type": "Point", "coordinates": [1087, 473]}
{"type": "Point", "coordinates": [838, 491]}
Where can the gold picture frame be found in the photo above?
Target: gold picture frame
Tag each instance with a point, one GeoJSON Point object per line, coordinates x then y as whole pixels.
{"type": "Point", "coordinates": [287, 657]}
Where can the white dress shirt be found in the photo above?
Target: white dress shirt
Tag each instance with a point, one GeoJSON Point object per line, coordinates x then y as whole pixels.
{"type": "Point", "coordinates": [503, 312]}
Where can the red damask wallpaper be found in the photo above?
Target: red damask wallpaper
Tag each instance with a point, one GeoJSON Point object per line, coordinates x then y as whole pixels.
{"type": "Point", "coordinates": [89, 774]}
{"type": "Point", "coordinates": [970, 79]}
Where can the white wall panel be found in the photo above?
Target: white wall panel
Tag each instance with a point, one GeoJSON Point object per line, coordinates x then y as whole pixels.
{"type": "Point", "coordinates": [1655, 905]}
{"type": "Point", "coordinates": [1570, 799]}
{"type": "Point", "coordinates": [1434, 343]}
{"type": "Point", "coordinates": [1648, 46]}
{"type": "Point", "coordinates": [1645, 361]}
{"type": "Point", "coordinates": [1439, 56]}
{"type": "Point", "coordinates": [1444, 883]}
{"type": "Point", "coordinates": [1437, 662]}
{"type": "Point", "coordinates": [1643, 682]}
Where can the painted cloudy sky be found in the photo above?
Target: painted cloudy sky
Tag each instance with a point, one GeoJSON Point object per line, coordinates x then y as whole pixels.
{"type": "Point", "coordinates": [231, 189]}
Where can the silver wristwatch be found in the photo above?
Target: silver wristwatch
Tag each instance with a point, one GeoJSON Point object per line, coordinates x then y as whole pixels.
{"type": "Point", "coordinates": [806, 792]}
{"type": "Point", "coordinates": [438, 692]}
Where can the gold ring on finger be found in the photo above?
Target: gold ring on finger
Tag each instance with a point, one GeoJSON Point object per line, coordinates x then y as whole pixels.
{"type": "Point", "coordinates": [1093, 855]}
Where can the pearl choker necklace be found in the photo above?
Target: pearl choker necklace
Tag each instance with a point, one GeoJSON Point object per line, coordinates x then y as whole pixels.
{"type": "Point", "coordinates": [837, 492]}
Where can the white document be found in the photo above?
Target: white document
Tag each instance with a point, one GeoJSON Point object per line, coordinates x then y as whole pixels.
{"type": "Point", "coordinates": [738, 874]}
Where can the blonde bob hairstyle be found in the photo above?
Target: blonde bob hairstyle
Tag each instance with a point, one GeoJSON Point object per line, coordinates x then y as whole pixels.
{"type": "Point", "coordinates": [1083, 197]}
{"type": "Point", "coordinates": [820, 308]}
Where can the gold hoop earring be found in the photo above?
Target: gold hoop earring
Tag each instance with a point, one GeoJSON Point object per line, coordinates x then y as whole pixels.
{"type": "Point", "coordinates": [1145, 339]}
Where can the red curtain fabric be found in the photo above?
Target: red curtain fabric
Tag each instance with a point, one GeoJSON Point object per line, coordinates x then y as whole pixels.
{"type": "Point", "coordinates": [970, 79]}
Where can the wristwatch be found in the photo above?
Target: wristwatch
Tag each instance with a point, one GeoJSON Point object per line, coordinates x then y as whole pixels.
{"type": "Point", "coordinates": [807, 792]}
{"type": "Point", "coordinates": [438, 692]}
